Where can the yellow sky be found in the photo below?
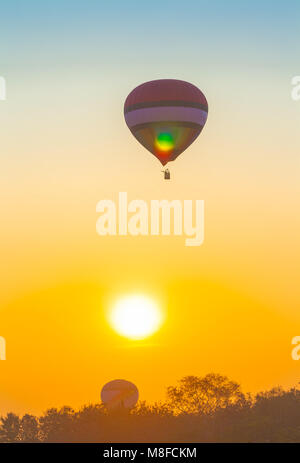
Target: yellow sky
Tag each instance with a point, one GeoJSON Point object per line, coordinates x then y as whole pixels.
{"type": "Point", "coordinates": [232, 305]}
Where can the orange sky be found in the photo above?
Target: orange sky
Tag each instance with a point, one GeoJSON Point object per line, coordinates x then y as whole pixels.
{"type": "Point", "coordinates": [232, 304]}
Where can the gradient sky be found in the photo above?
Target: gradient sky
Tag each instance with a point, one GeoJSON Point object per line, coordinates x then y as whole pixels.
{"type": "Point", "coordinates": [232, 304]}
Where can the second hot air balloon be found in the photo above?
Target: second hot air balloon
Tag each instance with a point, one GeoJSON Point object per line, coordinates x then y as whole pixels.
{"type": "Point", "coordinates": [166, 116]}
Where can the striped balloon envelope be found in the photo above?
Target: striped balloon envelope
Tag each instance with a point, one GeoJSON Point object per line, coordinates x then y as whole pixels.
{"type": "Point", "coordinates": [166, 116]}
{"type": "Point", "coordinates": [119, 393]}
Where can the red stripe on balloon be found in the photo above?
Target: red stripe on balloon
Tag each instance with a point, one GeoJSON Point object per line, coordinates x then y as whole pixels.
{"type": "Point", "coordinates": [165, 89]}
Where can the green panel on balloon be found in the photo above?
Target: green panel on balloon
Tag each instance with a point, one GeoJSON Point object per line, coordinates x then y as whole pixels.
{"type": "Point", "coordinates": [165, 142]}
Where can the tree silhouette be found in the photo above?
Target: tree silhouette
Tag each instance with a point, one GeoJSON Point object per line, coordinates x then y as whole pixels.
{"type": "Point", "coordinates": [10, 428]}
{"type": "Point", "coordinates": [57, 425]}
{"type": "Point", "coordinates": [203, 394]}
{"type": "Point", "coordinates": [29, 429]}
{"type": "Point", "coordinates": [199, 409]}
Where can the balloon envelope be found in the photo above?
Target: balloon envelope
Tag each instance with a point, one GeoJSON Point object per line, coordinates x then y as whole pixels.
{"type": "Point", "coordinates": [166, 116]}
{"type": "Point", "coordinates": [119, 393]}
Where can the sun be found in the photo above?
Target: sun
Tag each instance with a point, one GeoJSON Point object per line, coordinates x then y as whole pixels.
{"type": "Point", "coordinates": [136, 317]}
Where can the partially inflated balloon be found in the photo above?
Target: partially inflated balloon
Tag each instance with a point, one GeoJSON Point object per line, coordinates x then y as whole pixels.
{"type": "Point", "coordinates": [119, 393]}
{"type": "Point", "coordinates": [166, 116]}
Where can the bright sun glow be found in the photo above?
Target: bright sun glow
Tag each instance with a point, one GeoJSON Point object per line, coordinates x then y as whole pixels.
{"type": "Point", "coordinates": [136, 317]}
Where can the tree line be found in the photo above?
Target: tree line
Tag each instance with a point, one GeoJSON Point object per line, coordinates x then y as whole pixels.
{"type": "Point", "coordinates": [211, 408]}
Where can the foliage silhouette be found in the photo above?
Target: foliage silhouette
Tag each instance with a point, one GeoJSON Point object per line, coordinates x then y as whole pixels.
{"type": "Point", "coordinates": [199, 409]}
{"type": "Point", "coordinates": [203, 395]}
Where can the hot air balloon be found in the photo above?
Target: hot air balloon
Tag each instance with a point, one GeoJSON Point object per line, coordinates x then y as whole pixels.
{"type": "Point", "coordinates": [166, 116]}
{"type": "Point", "coordinates": [119, 393]}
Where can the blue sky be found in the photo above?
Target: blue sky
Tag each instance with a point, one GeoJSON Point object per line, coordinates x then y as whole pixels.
{"type": "Point", "coordinates": [168, 33]}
